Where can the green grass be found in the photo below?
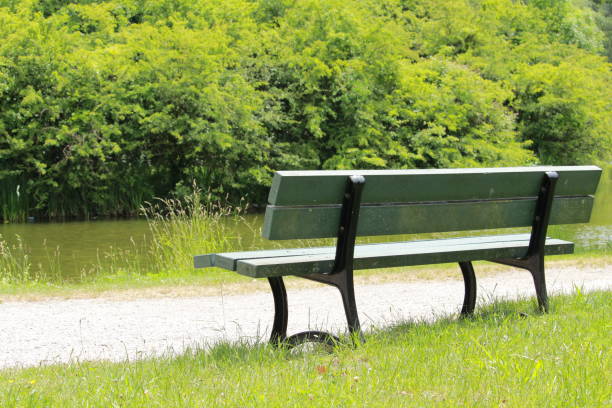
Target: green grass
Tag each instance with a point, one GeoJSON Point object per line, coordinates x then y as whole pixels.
{"type": "Point", "coordinates": [508, 355]}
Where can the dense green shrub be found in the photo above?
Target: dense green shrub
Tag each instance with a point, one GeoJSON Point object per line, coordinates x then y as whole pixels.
{"type": "Point", "coordinates": [106, 104]}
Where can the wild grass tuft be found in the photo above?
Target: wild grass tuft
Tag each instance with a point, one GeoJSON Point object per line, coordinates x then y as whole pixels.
{"type": "Point", "coordinates": [182, 228]}
{"type": "Point", "coordinates": [15, 264]}
{"type": "Point", "coordinates": [17, 267]}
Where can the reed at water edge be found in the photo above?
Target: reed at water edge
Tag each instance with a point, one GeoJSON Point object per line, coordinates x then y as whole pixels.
{"type": "Point", "coordinates": [14, 203]}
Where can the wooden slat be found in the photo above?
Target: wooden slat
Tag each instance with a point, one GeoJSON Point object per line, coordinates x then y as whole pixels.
{"type": "Point", "coordinates": [392, 256]}
{"type": "Point", "coordinates": [203, 261]}
{"type": "Point", "coordinates": [229, 260]}
{"type": "Point", "coordinates": [397, 186]}
{"type": "Point", "coordinates": [323, 221]}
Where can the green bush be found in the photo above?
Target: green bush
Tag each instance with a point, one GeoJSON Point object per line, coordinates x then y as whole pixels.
{"type": "Point", "coordinates": [565, 111]}
{"type": "Point", "coordinates": [106, 104]}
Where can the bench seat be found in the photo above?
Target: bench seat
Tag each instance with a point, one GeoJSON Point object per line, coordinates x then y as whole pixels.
{"type": "Point", "coordinates": [305, 261]}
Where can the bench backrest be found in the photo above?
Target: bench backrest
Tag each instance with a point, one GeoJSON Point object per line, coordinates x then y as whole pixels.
{"type": "Point", "coordinates": [307, 204]}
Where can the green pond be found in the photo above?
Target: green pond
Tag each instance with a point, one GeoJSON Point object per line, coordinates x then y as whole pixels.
{"type": "Point", "coordinates": [73, 246]}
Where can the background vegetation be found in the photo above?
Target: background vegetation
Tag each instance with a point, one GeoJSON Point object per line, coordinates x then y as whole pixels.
{"type": "Point", "coordinates": [106, 104]}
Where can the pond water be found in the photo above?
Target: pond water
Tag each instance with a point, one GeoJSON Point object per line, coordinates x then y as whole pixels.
{"type": "Point", "coordinates": [73, 246]}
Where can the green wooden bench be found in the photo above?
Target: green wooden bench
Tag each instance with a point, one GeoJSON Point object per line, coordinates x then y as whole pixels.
{"type": "Point", "coordinates": [345, 204]}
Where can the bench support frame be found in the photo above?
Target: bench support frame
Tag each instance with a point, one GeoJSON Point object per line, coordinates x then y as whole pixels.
{"type": "Point", "coordinates": [341, 276]}
{"type": "Point", "coordinates": [534, 260]}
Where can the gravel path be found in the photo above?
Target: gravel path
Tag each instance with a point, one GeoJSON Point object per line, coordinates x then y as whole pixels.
{"type": "Point", "coordinates": [33, 333]}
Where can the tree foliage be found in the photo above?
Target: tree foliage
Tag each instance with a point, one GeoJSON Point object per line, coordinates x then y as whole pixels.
{"type": "Point", "coordinates": [105, 104]}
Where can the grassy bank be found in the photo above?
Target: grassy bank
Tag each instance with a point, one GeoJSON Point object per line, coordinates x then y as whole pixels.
{"type": "Point", "coordinates": [508, 355]}
{"type": "Point", "coordinates": [213, 282]}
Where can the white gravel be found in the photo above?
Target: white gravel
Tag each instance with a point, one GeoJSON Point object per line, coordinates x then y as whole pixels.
{"type": "Point", "coordinates": [34, 333]}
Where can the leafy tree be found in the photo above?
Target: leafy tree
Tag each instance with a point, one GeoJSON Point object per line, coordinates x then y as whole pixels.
{"type": "Point", "coordinates": [107, 103]}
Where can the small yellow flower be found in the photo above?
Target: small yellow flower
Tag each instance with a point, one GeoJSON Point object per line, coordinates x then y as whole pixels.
{"type": "Point", "coordinates": [32, 382]}
{"type": "Point", "coordinates": [11, 381]}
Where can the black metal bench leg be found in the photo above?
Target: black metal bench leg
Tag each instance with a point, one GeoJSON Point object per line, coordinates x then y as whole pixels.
{"type": "Point", "coordinates": [279, 328]}
{"type": "Point", "coordinates": [343, 281]}
{"type": "Point", "coordinates": [539, 279]}
{"type": "Point", "coordinates": [347, 291]}
{"type": "Point", "coordinates": [535, 265]}
{"type": "Point", "coordinates": [281, 314]}
{"type": "Point", "coordinates": [469, 279]}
